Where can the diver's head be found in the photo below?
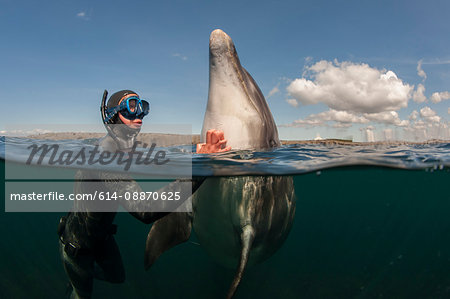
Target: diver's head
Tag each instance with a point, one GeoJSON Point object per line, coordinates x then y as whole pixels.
{"type": "Point", "coordinates": [123, 116]}
{"type": "Point", "coordinates": [125, 107]}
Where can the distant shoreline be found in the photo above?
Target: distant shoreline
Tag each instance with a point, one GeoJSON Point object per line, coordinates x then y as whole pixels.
{"type": "Point", "coordinates": [178, 139]}
{"type": "Point", "coordinates": [149, 138]}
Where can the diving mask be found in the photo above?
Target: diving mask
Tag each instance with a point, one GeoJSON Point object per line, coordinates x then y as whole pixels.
{"type": "Point", "coordinates": [130, 108]}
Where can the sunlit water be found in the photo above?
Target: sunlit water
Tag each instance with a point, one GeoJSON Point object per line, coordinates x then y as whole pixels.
{"type": "Point", "coordinates": [371, 221]}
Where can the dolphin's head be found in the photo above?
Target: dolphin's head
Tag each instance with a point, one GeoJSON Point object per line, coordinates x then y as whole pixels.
{"type": "Point", "coordinates": [236, 105]}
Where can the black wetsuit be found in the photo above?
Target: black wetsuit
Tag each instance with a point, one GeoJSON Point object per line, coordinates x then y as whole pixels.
{"type": "Point", "coordinates": [87, 244]}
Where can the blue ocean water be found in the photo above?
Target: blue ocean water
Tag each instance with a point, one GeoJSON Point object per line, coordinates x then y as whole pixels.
{"type": "Point", "coordinates": [371, 221]}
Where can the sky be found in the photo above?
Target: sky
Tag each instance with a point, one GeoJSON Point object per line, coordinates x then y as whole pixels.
{"type": "Point", "coordinates": [360, 70]}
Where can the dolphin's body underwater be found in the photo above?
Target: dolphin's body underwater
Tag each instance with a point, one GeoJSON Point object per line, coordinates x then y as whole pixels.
{"type": "Point", "coordinates": [238, 220]}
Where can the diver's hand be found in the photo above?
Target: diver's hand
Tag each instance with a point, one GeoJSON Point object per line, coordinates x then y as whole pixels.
{"type": "Point", "coordinates": [215, 143]}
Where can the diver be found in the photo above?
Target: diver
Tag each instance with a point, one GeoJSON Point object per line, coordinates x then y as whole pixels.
{"type": "Point", "coordinates": [87, 245]}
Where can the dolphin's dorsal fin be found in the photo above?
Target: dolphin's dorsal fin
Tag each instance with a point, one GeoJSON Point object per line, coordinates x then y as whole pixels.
{"type": "Point", "coordinates": [247, 236]}
{"type": "Point", "coordinates": [166, 233]}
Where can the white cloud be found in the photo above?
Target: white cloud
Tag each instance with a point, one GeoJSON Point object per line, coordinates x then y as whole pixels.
{"type": "Point", "coordinates": [414, 115]}
{"type": "Point", "coordinates": [427, 112]}
{"type": "Point", "coordinates": [359, 94]}
{"type": "Point", "coordinates": [420, 71]}
{"type": "Point", "coordinates": [346, 117]}
{"type": "Point", "coordinates": [425, 125]}
{"type": "Point", "coordinates": [448, 110]}
{"type": "Point", "coordinates": [292, 102]}
{"type": "Point", "coordinates": [274, 90]}
{"type": "Point", "coordinates": [429, 115]}
{"type": "Point", "coordinates": [438, 62]}
{"type": "Point", "coordinates": [342, 118]}
{"type": "Point", "coordinates": [182, 57]}
{"type": "Point", "coordinates": [83, 15]}
{"type": "Point", "coordinates": [351, 87]}
{"type": "Point", "coordinates": [387, 117]}
{"type": "Point", "coordinates": [418, 95]}
{"type": "Point", "coordinates": [342, 125]}
{"type": "Point", "coordinates": [440, 96]}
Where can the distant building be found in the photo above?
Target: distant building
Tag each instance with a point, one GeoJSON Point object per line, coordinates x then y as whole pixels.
{"type": "Point", "coordinates": [370, 136]}
{"type": "Point", "coordinates": [388, 135]}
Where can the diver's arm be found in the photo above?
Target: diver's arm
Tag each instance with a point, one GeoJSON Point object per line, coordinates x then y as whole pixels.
{"type": "Point", "coordinates": [140, 209]}
{"type": "Point", "coordinates": [123, 187]}
{"type": "Point", "coordinates": [185, 187]}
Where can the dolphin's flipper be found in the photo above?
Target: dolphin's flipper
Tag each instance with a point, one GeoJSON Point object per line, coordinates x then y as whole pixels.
{"type": "Point", "coordinates": [247, 236]}
{"type": "Point", "coordinates": [166, 233]}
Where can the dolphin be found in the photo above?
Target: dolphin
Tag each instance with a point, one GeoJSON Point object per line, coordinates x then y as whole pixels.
{"type": "Point", "coordinates": [238, 220]}
{"type": "Point", "coordinates": [236, 105]}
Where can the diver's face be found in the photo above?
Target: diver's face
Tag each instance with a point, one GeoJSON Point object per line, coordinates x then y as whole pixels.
{"type": "Point", "coordinates": [134, 124]}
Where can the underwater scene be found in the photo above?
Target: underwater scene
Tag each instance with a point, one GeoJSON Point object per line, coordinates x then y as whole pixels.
{"type": "Point", "coordinates": [370, 221]}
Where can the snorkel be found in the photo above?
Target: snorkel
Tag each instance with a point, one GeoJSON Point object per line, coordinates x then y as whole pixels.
{"type": "Point", "coordinates": [103, 113]}
{"type": "Point", "coordinates": [103, 106]}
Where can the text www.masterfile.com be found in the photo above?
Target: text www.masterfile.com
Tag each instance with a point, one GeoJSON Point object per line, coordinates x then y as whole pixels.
{"type": "Point", "coordinates": [101, 196]}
